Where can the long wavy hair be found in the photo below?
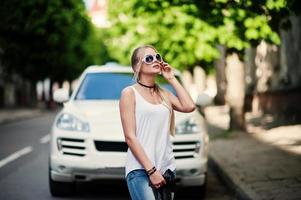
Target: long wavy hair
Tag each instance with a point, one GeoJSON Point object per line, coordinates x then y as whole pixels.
{"type": "Point", "coordinates": [136, 66]}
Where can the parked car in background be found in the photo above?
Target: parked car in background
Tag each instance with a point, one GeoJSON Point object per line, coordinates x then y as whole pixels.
{"type": "Point", "coordinates": [87, 141]}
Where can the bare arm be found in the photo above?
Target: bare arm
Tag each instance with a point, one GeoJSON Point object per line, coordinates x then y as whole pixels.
{"type": "Point", "coordinates": [128, 120]}
{"type": "Point", "coordinates": [182, 102]}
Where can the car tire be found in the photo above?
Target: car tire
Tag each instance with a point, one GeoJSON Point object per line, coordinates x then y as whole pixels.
{"type": "Point", "coordinates": [60, 189]}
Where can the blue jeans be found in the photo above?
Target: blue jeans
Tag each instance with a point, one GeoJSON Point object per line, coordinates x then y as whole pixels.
{"type": "Point", "coordinates": [138, 185]}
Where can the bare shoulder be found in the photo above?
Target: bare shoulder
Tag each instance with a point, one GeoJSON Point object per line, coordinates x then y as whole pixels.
{"type": "Point", "coordinates": [127, 90]}
{"type": "Point", "coordinates": [127, 94]}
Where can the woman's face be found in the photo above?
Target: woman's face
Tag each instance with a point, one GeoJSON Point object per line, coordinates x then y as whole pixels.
{"type": "Point", "coordinates": [153, 68]}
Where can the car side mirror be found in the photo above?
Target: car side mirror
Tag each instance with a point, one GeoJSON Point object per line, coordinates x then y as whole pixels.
{"type": "Point", "coordinates": [203, 100]}
{"type": "Point", "coordinates": [61, 95]}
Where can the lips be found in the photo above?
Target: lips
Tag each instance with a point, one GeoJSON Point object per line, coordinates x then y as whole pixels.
{"type": "Point", "coordinates": [156, 66]}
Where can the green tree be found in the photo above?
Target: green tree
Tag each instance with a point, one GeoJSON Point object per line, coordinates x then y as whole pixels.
{"type": "Point", "coordinates": [188, 32]}
{"type": "Point", "coordinates": [41, 38]}
{"type": "Point", "coordinates": [243, 24]}
{"type": "Point", "coordinates": [175, 30]}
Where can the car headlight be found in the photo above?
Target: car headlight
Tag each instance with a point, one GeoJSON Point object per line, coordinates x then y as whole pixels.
{"type": "Point", "coordinates": [191, 125]}
{"type": "Point", "coordinates": [71, 123]}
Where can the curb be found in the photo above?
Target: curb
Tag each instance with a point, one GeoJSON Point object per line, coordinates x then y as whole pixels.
{"type": "Point", "coordinates": [237, 188]}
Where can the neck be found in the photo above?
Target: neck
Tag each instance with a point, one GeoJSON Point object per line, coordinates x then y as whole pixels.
{"type": "Point", "coordinates": [147, 80]}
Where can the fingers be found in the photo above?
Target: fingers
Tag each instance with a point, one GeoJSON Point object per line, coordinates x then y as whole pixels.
{"type": "Point", "coordinates": [159, 185]}
{"type": "Point", "coordinates": [166, 67]}
{"type": "Point", "coordinates": [157, 180]}
{"type": "Point", "coordinates": [163, 182]}
{"type": "Point", "coordinates": [165, 64]}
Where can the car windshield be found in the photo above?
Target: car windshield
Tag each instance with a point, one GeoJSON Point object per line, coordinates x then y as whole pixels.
{"type": "Point", "coordinates": [109, 85]}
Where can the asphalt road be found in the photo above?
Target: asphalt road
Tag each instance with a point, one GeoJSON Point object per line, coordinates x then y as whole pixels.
{"type": "Point", "coordinates": [24, 149]}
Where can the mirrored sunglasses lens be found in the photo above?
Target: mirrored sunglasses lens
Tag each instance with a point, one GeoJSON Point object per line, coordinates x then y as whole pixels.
{"type": "Point", "coordinates": [149, 58]}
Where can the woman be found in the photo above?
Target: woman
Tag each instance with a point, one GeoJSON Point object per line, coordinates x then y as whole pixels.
{"type": "Point", "coordinates": [147, 118]}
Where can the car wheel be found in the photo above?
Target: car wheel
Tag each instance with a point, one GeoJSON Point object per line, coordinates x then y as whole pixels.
{"type": "Point", "coordinates": [60, 189]}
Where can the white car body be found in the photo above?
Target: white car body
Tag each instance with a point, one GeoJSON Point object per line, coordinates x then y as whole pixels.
{"type": "Point", "coordinates": [100, 153]}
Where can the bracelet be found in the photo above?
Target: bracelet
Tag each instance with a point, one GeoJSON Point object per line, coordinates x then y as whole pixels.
{"type": "Point", "coordinates": [152, 172]}
{"type": "Point", "coordinates": [148, 171]}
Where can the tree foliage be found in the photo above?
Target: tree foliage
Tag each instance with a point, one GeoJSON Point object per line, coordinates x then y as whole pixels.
{"type": "Point", "coordinates": [187, 32]}
{"type": "Point", "coordinates": [41, 38]}
{"type": "Point", "coordinates": [246, 22]}
{"type": "Point", "coordinates": [182, 38]}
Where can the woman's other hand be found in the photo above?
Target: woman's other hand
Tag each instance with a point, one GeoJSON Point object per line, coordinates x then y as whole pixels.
{"type": "Point", "coordinates": [167, 71]}
{"type": "Point", "coordinates": [157, 179]}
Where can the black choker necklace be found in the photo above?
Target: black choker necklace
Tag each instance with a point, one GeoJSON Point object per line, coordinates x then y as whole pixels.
{"type": "Point", "coordinates": [146, 85]}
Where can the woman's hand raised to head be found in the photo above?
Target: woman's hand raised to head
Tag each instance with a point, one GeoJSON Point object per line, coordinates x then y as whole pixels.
{"type": "Point", "coordinates": [157, 179]}
{"type": "Point", "coordinates": [182, 102]}
{"type": "Point", "coordinates": [167, 71]}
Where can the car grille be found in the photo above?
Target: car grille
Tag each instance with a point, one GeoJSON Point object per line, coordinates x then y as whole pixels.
{"type": "Point", "coordinates": [70, 146]}
{"type": "Point", "coordinates": [181, 149]}
{"type": "Point", "coordinates": [111, 146]}
{"type": "Point", "coordinates": [185, 149]}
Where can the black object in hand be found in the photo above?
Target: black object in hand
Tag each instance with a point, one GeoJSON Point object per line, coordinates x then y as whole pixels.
{"type": "Point", "coordinates": [170, 179]}
{"type": "Point", "coordinates": [165, 191]}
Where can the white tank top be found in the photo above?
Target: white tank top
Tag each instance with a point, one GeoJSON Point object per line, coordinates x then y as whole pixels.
{"type": "Point", "coordinates": [152, 131]}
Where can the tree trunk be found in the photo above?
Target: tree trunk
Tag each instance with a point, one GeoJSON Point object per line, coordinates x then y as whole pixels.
{"type": "Point", "coordinates": [235, 91]}
{"type": "Point", "coordinates": [250, 77]}
{"type": "Point", "coordinates": [221, 81]}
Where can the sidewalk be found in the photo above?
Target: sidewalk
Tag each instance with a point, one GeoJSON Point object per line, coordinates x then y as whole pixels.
{"type": "Point", "coordinates": [8, 115]}
{"type": "Point", "coordinates": [264, 163]}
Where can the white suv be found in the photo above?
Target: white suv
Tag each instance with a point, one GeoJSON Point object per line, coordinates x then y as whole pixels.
{"type": "Point", "coordinates": [87, 140]}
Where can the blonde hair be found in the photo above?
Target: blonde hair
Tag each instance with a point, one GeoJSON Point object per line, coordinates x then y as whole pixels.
{"type": "Point", "coordinates": [134, 61]}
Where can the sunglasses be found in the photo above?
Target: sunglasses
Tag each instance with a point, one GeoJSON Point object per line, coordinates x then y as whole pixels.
{"type": "Point", "coordinates": [149, 59]}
